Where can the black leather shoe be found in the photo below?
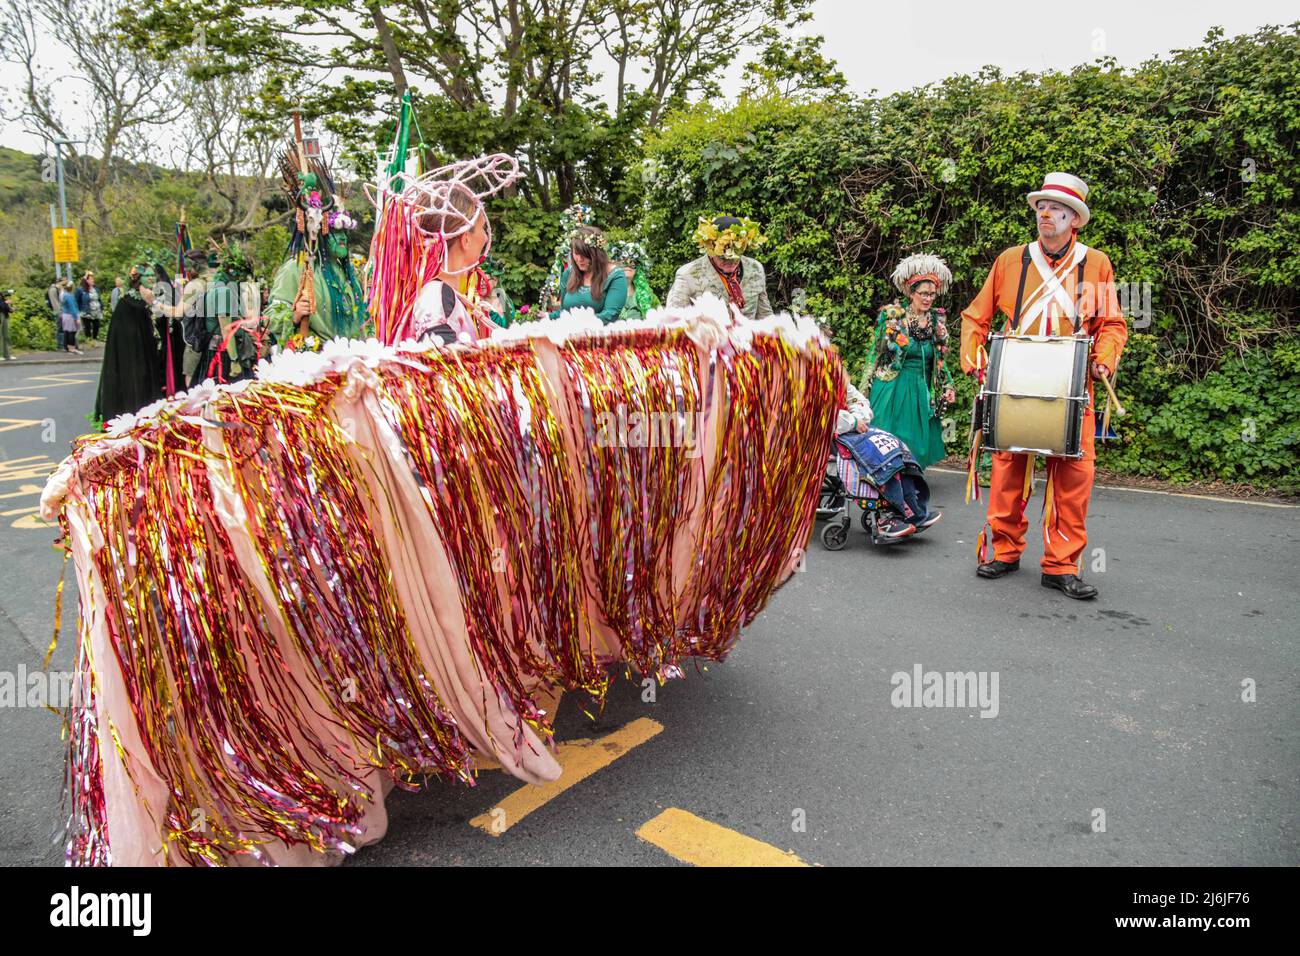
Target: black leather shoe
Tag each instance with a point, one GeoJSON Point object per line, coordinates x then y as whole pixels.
{"type": "Point", "coordinates": [995, 569]}
{"type": "Point", "coordinates": [1071, 585]}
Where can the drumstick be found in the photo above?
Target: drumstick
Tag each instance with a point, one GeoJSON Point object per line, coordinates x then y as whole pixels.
{"type": "Point", "coordinates": [1110, 390]}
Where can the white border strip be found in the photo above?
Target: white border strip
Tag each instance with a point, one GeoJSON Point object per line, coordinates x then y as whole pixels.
{"type": "Point", "coordinates": [1158, 491]}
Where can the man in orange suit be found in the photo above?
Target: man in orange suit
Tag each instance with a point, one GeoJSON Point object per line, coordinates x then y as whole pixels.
{"type": "Point", "coordinates": [1045, 288]}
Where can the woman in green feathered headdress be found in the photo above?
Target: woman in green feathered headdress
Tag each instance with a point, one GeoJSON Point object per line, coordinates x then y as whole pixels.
{"type": "Point", "coordinates": [631, 256]}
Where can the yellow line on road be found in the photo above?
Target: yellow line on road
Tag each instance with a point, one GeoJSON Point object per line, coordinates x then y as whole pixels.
{"type": "Point", "coordinates": [60, 381]}
{"type": "Point", "coordinates": [694, 840]}
{"type": "Point", "coordinates": [13, 423]}
{"type": "Point", "coordinates": [580, 759]}
{"type": "Point", "coordinates": [24, 490]}
{"type": "Point", "coordinates": [19, 469]}
{"type": "Point", "coordinates": [32, 523]}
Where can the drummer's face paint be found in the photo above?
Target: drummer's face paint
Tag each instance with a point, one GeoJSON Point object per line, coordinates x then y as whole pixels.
{"type": "Point", "coordinates": [1056, 222]}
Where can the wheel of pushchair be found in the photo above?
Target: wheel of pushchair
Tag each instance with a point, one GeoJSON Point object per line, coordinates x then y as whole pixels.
{"type": "Point", "coordinates": [835, 536]}
{"type": "Point", "coordinates": [865, 519]}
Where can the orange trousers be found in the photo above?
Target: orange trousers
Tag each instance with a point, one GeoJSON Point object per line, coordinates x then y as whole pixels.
{"type": "Point", "coordinates": [1065, 532]}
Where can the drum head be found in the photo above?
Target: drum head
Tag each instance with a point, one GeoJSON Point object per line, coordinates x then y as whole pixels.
{"type": "Point", "coordinates": [1036, 394]}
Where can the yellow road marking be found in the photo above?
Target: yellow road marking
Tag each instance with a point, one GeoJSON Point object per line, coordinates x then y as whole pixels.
{"type": "Point", "coordinates": [18, 423]}
{"type": "Point", "coordinates": [693, 840]}
{"type": "Point", "coordinates": [60, 381]}
{"type": "Point", "coordinates": [23, 490]}
{"type": "Point", "coordinates": [19, 511]}
{"type": "Point", "coordinates": [20, 399]}
{"type": "Point", "coordinates": [580, 759]}
{"type": "Point", "coordinates": [35, 466]}
{"type": "Point", "coordinates": [32, 523]}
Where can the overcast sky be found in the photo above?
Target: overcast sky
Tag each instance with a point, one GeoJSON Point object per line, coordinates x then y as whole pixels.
{"type": "Point", "coordinates": [897, 46]}
{"type": "Point", "coordinates": [900, 45]}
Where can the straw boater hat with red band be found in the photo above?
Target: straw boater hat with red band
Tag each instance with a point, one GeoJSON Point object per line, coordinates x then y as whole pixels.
{"type": "Point", "coordinates": [1066, 189]}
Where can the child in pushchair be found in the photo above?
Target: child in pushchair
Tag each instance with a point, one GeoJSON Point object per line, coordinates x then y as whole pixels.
{"type": "Point", "coordinates": [875, 469]}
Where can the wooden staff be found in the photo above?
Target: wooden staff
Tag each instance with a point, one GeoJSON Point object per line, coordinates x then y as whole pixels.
{"type": "Point", "coordinates": [306, 290]}
{"type": "Point", "coordinates": [297, 140]}
{"type": "Point", "coordinates": [306, 282]}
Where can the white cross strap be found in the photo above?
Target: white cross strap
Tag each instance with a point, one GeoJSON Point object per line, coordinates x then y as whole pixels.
{"type": "Point", "coordinates": [1050, 289]}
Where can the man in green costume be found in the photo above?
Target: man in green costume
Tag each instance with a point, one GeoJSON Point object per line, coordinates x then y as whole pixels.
{"type": "Point", "coordinates": [329, 302]}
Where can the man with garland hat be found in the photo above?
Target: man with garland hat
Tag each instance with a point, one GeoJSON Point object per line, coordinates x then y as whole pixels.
{"type": "Point", "coordinates": [1045, 288]}
{"type": "Point", "coordinates": [724, 269]}
{"type": "Point", "coordinates": [234, 308]}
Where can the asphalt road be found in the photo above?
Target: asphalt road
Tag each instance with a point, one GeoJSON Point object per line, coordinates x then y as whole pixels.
{"type": "Point", "coordinates": [1131, 704]}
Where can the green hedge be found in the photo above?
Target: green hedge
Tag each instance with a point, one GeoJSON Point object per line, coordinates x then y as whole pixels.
{"type": "Point", "coordinates": [1193, 167]}
{"type": "Point", "coordinates": [30, 326]}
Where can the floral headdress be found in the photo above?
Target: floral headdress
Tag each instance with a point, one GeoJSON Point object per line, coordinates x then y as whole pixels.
{"type": "Point", "coordinates": [340, 219]}
{"type": "Point", "coordinates": [577, 215]}
{"type": "Point", "coordinates": [728, 237]}
{"type": "Point", "coordinates": [922, 267]}
{"type": "Point", "coordinates": [631, 252]}
{"type": "Point", "coordinates": [232, 262]}
{"type": "Point", "coordinates": [589, 235]}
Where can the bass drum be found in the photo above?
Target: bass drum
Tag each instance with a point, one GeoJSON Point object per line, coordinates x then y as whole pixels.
{"type": "Point", "coordinates": [1036, 394]}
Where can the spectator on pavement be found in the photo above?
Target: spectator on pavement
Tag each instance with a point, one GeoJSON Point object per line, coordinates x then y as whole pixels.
{"type": "Point", "coordinates": [5, 309]}
{"type": "Point", "coordinates": [90, 305]}
{"type": "Point", "coordinates": [69, 317]}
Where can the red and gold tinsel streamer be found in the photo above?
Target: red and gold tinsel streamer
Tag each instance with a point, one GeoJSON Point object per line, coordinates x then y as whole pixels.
{"type": "Point", "coordinates": [623, 497]}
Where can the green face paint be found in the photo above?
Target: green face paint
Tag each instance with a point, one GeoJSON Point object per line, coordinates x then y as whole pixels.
{"type": "Point", "coordinates": [338, 245]}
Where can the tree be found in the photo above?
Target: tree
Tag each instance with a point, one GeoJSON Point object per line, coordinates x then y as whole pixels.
{"type": "Point", "coordinates": [797, 70]}
{"type": "Point", "coordinates": [517, 76]}
{"type": "Point", "coordinates": [232, 138]}
{"type": "Point", "coordinates": [126, 89]}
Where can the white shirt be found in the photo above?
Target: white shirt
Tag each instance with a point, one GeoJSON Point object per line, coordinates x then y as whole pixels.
{"type": "Point", "coordinates": [431, 310]}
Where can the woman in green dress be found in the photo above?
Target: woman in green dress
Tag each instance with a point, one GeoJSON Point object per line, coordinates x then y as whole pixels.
{"type": "Point", "coordinates": [910, 383]}
{"type": "Point", "coordinates": [591, 281]}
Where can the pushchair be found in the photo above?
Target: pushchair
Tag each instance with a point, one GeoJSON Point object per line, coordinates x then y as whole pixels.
{"type": "Point", "coordinates": [876, 470]}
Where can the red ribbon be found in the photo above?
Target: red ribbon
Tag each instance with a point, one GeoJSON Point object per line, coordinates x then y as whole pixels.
{"type": "Point", "coordinates": [1062, 189]}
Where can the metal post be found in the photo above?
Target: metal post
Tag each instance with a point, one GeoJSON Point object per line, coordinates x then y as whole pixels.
{"type": "Point", "coordinates": [54, 224]}
{"type": "Point", "coordinates": [63, 195]}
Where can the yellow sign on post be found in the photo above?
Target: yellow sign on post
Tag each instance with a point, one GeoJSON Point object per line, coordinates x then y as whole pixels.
{"type": "Point", "coordinates": [65, 245]}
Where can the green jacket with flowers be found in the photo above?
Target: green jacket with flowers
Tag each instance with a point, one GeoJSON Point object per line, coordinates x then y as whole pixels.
{"type": "Point", "coordinates": [898, 336]}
